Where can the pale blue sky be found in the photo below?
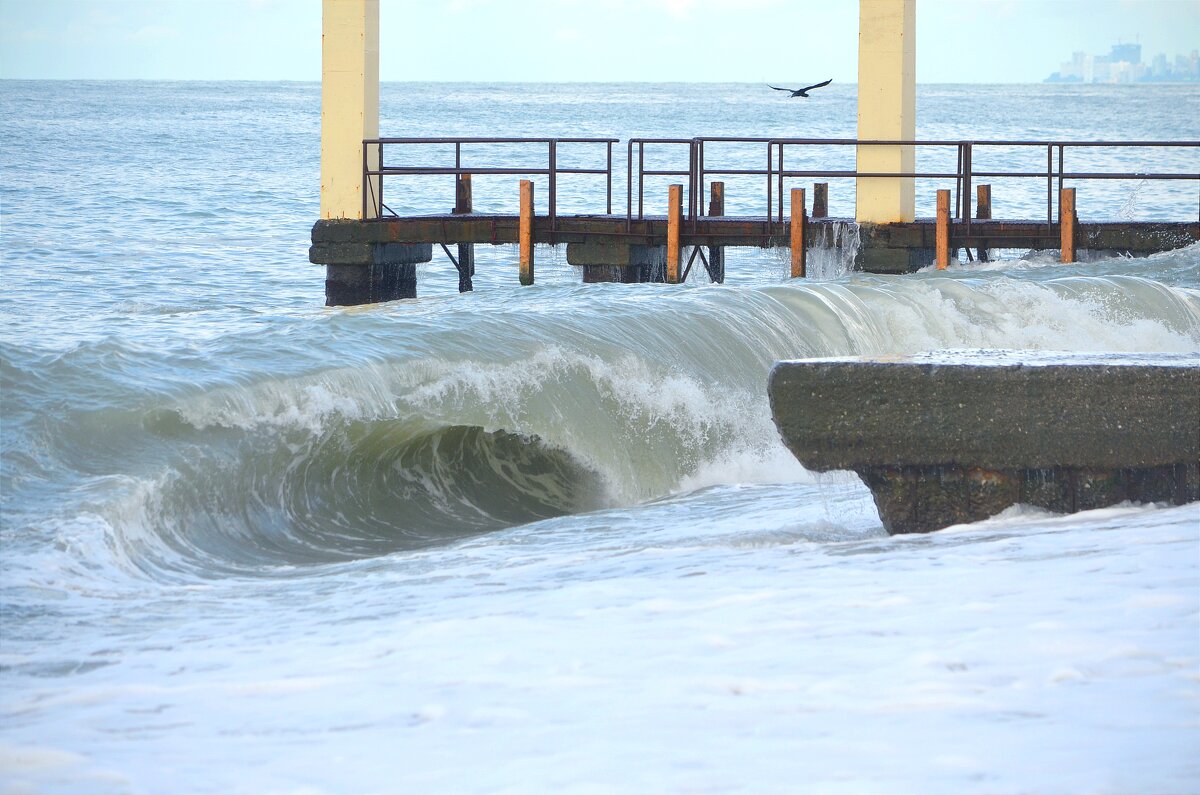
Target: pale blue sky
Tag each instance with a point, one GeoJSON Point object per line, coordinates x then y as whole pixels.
{"type": "Point", "coordinates": [568, 40]}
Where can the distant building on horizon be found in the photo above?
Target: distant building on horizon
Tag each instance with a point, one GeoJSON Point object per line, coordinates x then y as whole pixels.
{"type": "Point", "coordinates": [1124, 65]}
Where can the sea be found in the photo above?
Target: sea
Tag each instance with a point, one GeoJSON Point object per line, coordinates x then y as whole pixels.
{"type": "Point", "coordinates": [546, 539]}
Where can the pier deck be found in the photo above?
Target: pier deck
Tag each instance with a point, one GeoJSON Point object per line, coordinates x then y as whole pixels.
{"type": "Point", "coordinates": [348, 242]}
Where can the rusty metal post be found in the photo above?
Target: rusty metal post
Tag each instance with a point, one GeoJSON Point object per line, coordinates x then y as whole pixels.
{"type": "Point", "coordinates": [553, 205]}
{"type": "Point", "coordinates": [820, 200]}
{"type": "Point", "coordinates": [466, 251]}
{"type": "Point", "coordinates": [799, 252]}
{"type": "Point", "coordinates": [716, 254]}
{"type": "Point", "coordinates": [1066, 224]}
{"type": "Point", "coordinates": [674, 221]}
{"type": "Point", "coordinates": [943, 229]}
{"type": "Point", "coordinates": [525, 233]}
{"type": "Point", "coordinates": [983, 211]}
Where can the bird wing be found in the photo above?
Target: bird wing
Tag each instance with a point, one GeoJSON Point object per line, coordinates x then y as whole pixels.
{"type": "Point", "coordinates": [777, 88]}
{"type": "Point", "coordinates": [818, 85]}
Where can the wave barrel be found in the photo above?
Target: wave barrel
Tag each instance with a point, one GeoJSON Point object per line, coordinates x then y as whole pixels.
{"type": "Point", "coordinates": [946, 438]}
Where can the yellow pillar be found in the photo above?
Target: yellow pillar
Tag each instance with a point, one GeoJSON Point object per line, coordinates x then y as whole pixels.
{"type": "Point", "coordinates": [887, 107]}
{"type": "Point", "coordinates": [349, 104]}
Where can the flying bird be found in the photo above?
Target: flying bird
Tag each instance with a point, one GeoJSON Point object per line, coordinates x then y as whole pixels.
{"type": "Point", "coordinates": [801, 92]}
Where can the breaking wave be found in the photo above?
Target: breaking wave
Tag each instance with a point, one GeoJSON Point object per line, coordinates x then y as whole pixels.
{"type": "Point", "coordinates": [428, 432]}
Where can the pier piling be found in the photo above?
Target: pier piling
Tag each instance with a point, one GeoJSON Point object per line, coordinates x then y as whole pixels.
{"type": "Point", "coordinates": [674, 221]}
{"type": "Point", "coordinates": [820, 200]}
{"type": "Point", "coordinates": [943, 229]}
{"type": "Point", "coordinates": [799, 219]}
{"type": "Point", "coordinates": [1066, 224]}
{"type": "Point", "coordinates": [983, 212]}
{"type": "Point", "coordinates": [525, 233]}
{"type": "Point", "coordinates": [716, 254]}
{"type": "Point", "coordinates": [466, 251]}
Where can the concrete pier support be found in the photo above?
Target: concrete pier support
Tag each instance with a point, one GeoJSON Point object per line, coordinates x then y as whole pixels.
{"type": "Point", "coordinates": [942, 438]}
{"type": "Point", "coordinates": [355, 272]}
{"type": "Point", "coordinates": [368, 273]}
{"type": "Point", "coordinates": [618, 262]}
{"type": "Point", "coordinates": [349, 104]}
{"type": "Point", "coordinates": [887, 101]}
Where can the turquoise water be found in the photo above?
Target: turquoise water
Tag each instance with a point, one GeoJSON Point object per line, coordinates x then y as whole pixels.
{"type": "Point", "coordinates": [544, 538]}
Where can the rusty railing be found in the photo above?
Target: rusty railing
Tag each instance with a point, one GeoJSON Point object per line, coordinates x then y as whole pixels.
{"type": "Point", "coordinates": [373, 203]}
{"type": "Point", "coordinates": [963, 175]}
{"type": "Point", "coordinates": [698, 169]}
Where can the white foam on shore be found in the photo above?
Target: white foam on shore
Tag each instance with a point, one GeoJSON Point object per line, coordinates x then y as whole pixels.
{"type": "Point", "coordinates": [772, 638]}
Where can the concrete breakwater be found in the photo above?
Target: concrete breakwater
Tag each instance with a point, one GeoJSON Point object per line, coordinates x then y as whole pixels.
{"type": "Point", "coordinates": [955, 437]}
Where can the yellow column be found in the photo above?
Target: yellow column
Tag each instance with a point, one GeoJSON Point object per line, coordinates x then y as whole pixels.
{"type": "Point", "coordinates": [887, 107]}
{"type": "Point", "coordinates": [349, 104]}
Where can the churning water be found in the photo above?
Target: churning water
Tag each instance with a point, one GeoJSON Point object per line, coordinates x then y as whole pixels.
{"type": "Point", "coordinates": [540, 539]}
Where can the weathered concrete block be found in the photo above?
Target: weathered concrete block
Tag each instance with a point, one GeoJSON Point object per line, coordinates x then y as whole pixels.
{"type": "Point", "coordinates": [597, 274]}
{"type": "Point", "coordinates": [879, 259]}
{"type": "Point", "coordinates": [350, 285]}
{"type": "Point", "coordinates": [401, 253]}
{"type": "Point", "coordinates": [942, 439]}
{"type": "Point", "coordinates": [620, 254]}
{"type": "Point", "coordinates": [994, 410]}
{"type": "Point", "coordinates": [337, 230]}
{"type": "Point", "coordinates": [369, 253]}
{"type": "Point", "coordinates": [365, 273]}
{"type": "Point", "coordinates": [618, 262]}
{"type": "Point", "coordinates": [341, 253]}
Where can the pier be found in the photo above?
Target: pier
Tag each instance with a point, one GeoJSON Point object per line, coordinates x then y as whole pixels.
{"type": "Point", "coordinates": [634, 246]}
{"type": "Point", "coordinates": [371, 251]}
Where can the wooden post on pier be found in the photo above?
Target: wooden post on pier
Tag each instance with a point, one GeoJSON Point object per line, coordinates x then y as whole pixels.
{"type": "Point", "coordinates": [466, 251]}
{"type": "Point", "coordinates": [674, 222]}
{"type": "Point", "coordinates": [1066, 224]}
{"type": "Point", "coordinates": [983, 211]}
{"type": "Point", "coordinates": [716, 254]}
{"type": "Point", "coordinates": [943, 229]}
{"type": "Point", "coordinates": [525, 233]}
{"type": "Point", "coordinates": [820, 200]}
{"type": "Point", "coordinates": [799, 252]}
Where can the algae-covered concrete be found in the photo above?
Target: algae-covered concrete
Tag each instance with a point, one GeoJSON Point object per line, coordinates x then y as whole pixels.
{"type": "Point", "coordinates": [947, 438]}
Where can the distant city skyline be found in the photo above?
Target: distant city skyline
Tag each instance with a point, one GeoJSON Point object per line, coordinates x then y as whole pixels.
{"type": "Point", "coordinates": [1124, 64]}
{"type": "Point", "coordinates": [802, 41]}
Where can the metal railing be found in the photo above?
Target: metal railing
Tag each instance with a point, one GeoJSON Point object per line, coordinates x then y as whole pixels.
{"type": "Point", "coordinates": [698, 169]}
{"type": "Point", "coordinates": [373, 203]}
{"type": "Point", "coordinates": [964, 174]}
{"type": "Point", "coordinates": [643, 172]}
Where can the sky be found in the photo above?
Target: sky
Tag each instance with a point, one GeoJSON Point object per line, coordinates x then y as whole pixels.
{"type": "Point", "coordinates": [782, 41]}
